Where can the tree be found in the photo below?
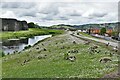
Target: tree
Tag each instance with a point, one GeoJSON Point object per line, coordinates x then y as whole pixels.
{"type": "Point", "coordinates": [37, 26]}
{"type": "Point", "coordinates": [115, 33]}
{"type": "Point", "coordinates": [31, 25]}
{"type": "Point", "coordinates": [103, 31]}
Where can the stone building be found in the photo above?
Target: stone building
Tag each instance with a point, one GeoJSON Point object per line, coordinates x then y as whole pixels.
{"type": "Point", "coordinates": [13, 24]}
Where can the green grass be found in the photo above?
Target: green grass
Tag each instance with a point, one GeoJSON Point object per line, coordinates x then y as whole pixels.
{"type": "Point", "coordinates": [29, 33]}
{"type": "Point", "coordinates": [54, 65]}
{"type": "Point", "coordinates": [87, 35]}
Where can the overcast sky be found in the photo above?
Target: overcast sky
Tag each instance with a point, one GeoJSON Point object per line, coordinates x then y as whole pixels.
{"type": "Point", "coordinates": [49, 12]}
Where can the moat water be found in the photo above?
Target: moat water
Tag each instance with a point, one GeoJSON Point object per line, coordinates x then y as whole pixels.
{"type": "Point", "coordinates": [16, 45]}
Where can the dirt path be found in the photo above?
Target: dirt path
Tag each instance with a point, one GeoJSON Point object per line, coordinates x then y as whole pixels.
{"type": "Point", "coordinates": [73, 38]}
{"type": "Point", "coordinates": [114, 44]}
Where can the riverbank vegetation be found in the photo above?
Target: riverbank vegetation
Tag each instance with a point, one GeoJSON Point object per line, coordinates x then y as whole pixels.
{"type": "Point", "coordinates": [30, 33]}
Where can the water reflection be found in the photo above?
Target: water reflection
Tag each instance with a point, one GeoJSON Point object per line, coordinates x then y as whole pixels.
{"type": "Point", "coordinates": [13, 45]}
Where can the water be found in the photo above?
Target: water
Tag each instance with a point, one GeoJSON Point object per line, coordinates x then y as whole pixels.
{"type": "Point", "coordinates": [12, 45]}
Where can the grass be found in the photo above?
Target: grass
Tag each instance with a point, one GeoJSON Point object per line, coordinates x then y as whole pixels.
{"type": "Point", "coordinates": [31, 32]}
{"type": "Point", "coordinates": [87, 35]}
{"type": "Point", "coordinates": [54, 65]}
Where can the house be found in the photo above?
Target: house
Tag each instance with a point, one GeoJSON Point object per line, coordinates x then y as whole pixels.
{"type": "Point", "coordinates": [9, 24]}
{"type": "Point", "coordinates": [109, 31]}
{"type": "Point", "coordinates": [95, 31]}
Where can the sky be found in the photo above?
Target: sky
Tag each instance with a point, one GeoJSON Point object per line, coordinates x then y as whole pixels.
{"type": "Point", "coordinates": [53, 12]}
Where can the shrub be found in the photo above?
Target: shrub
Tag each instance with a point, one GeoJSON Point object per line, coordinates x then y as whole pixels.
{"type": "Point", "coordinates": [27, 46]}
{"type": "Point", "coordinates": [51, 32]}
{"type": "Point", "coordinates": [3, 54]}
{"type": "Point", "coordinates": [31, 25]}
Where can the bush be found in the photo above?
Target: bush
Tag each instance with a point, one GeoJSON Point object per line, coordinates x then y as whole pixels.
{"type": "Point", "coordinates": [27, 46]}
{"type": "Point", "coordinates": [51, 32]}
{"type": "Point", "coordinates": [31, 25]}
{"type": "Point", "coordinates": [115, 33]}
{"type": "Point", "coordinates": [2, 53]}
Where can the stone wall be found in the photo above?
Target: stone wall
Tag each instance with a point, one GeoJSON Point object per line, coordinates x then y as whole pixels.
{"type": "Point", "coordinates": [13, 24]}
{"type": "Point", "coordinates": [24, 25]}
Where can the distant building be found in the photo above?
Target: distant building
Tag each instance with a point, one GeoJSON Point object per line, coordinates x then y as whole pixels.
{"type": "Point", "coordinates": [109, 31]}
{"type": "Point", "coordinates": [13, 25]}
{"type": "Point", "coordinates": [97, 31]}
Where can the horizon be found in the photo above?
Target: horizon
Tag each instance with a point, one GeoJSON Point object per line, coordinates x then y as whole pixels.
{"type": "Point", "coordinates": [64, 24]}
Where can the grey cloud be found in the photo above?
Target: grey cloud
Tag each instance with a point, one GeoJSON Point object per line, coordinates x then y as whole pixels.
{"type": "Point", "coordinates": [75, 13]}
{"type": "Point", "coordinates": [25, 5]}
{"type": "Point", "coordinates": [63, 18]}
{"type": "Point", "coordinates": [47, 18]}
{"type": "Point", "coordinates": [29, 14]}
{"type": "Point", "coordinates": [53, 17]}
{"type": "Point", "coordinates": [99, 14]}
{"type": "Point", "coordinates": [50, 9]}
{"type": "Point", "coordinates": [10, 5]}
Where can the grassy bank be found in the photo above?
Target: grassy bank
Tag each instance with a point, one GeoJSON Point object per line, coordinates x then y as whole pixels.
{"type": "Point", "coordinates": [31, 32]}
{"type": "Point", "coordinates": [54, 65]}
{"type": "Point", "coordinates": [85, 34]}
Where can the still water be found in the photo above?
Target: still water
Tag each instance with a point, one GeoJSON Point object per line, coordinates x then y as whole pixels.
{"type": "Point", "coordinates": [12, 45]}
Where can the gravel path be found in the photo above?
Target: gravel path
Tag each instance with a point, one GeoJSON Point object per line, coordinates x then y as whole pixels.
{"type": "Point", "coordinates": [114, 44]}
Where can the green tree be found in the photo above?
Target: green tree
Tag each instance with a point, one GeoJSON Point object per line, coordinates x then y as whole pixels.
{"type": "Point", "coordinates": [37, 26]}
{"type": "Point", "coordinates": [103, 31]}
{"type": "Point", "coordinates": [31, 25]}
{"type": "Point", "coordinates": [115, 33]}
